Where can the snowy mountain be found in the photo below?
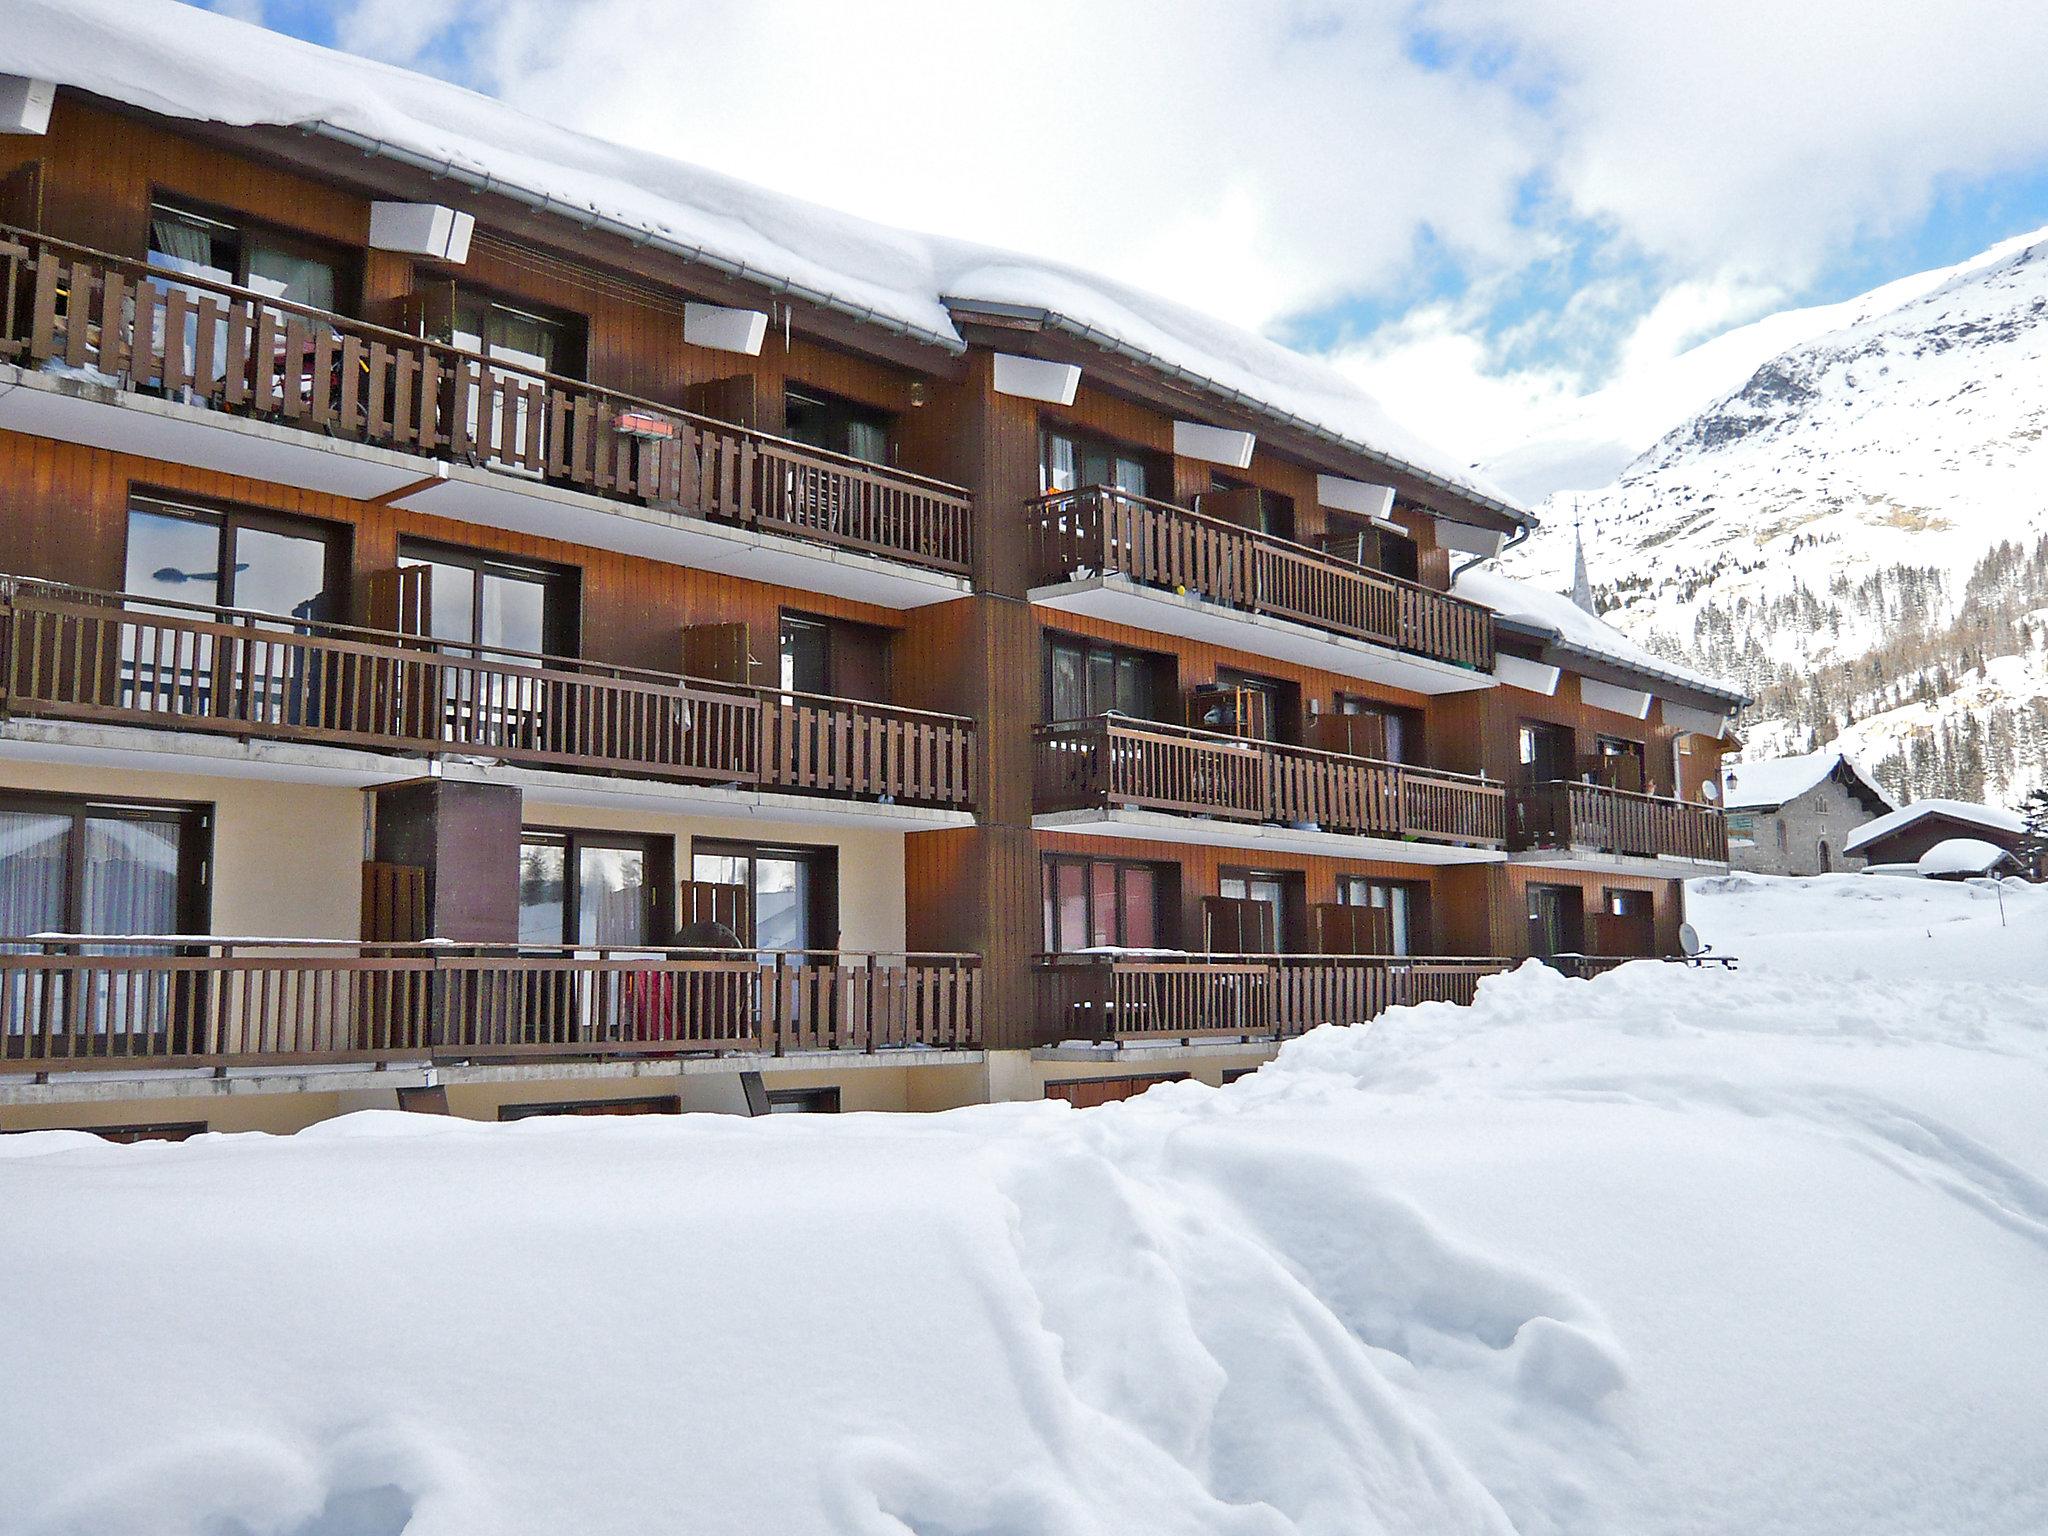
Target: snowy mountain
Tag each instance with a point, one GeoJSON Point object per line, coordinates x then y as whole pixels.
{"type": "Point", "coordinates": [1857, 529]}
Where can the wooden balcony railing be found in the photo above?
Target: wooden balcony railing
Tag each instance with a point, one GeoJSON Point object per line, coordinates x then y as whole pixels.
{"type": "Point", "coordinates": [1099, 530]}
{"type": "Point", "coordinates": [173, 1001]}
{"type": "Point", "coordinates": [1113, 760]}
{"type": "Point", "coordinates": [138, 327]}
{"type": "Point", "coordinates": [1564, 814]}
{"type": "Point", "coordinates": [71, 654]}
{"type": "Point", "coordinates": [1109, 997]}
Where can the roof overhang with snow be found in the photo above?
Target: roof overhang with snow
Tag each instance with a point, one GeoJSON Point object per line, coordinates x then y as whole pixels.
{"type": "Point", "coordinates": [878, 288]}
{"type": "Point", "coordinates": [1163, 382]}
{"type": "Point", "coordinates": [1555, 650]}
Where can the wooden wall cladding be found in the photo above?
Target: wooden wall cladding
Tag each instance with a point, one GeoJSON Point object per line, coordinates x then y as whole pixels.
{"type": "Point", "coordinates": [65, 519]}
{"type": "Point", "coordinates": [1488, 905]}
{"type": "Point", "coordinates": [101, 169]}
{"type": "Point", "coordinates": [1201, 868]}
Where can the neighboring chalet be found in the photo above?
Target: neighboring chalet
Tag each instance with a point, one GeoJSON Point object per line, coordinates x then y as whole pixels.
{"type": "Point", "coordinates": [498, 623]}
{"type": "Point", "coordinates": [1795, 815]}
{"type": "Point", "coordinates": [1904, 836]}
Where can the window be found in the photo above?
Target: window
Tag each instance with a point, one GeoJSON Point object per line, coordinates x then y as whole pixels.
{"type": "Point", "coordinates": [836, 425]}
{"type": "Point", "coordinates": [1545, 752]}
{"type": "Point", "coordinates": [803, 1101]}
{"type": "Point", "coordinates": [1555, 921]}
{"type": "Point", "coordinates": [233, 558]}
{"type": "Point", "coordinates": [591, 888]}
{"type": "Point", "coordinates": [1266, 709]}
{"type": "Point", "coordinates": [793, 892]}
{"type": "Point", "coordinates": [1087, 1092]}
{"type": "Point", "coordinates": [507, 333]}
{"type": "Point", "coordinates": [273, 262]}
{"type": "Point", "coordinates": [78, 866]}
{"type": "Point", "coordinates": [1280, 891]}
{"type": "Point", "coordinates": [495, 607]}
{"type": "Point", "coordinates": [1072, 461]}
{"type": "Point", "coordinates": [806, 656]}
{"type": "Point", "coordinates": [833, 656]}
{"type": "Point", "coordinates": [668, 1104]}
{"type": "Point", "coordinates": [1087, 678]}
{"type": "Point", "coordinates": [164, 1130]}
{"type": "Point", "coordinates": [1394, 898]}
{"type": "Point", "coordinates": [1095, 903]}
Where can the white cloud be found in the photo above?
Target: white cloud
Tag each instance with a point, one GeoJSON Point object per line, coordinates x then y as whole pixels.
{"type": "Point", "coordinates": [1255, 159]}
{"type": "Point", "coordinates": [1266, 158]}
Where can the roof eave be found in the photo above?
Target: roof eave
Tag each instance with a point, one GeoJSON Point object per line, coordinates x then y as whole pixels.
{"type": "Point", "coordinates": [1024, 316]}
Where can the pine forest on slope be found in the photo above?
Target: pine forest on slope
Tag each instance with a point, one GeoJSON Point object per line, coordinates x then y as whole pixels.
{"type": "Point", "coordinates": [1858, 534]}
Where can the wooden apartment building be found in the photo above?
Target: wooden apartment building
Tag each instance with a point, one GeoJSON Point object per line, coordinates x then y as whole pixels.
{"type": "Point", "coordinates": [459, 652]}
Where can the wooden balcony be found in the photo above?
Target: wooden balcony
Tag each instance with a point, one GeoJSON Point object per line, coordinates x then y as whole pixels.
{"type": "Point", "coordinates": [1113, 998]}
{"type": "Point", "coordinates": [71, 654]}
{"type": "Point", "coordinates": [131, 327]}
{"type": "Point", "coordinates": [1099, 531]}
{"type": "Point", "coordinates": [1571, 817]}
{"type": "Point", "coordinates": [183, 1002]}
{"type": "Point", "coordinates": [1112, 761]}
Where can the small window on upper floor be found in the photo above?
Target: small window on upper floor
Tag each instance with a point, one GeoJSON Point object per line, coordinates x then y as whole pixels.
{"type": "Point", "coordinates": [273, 262]}
{"type": "Point", "coordinates": [1073, 461]}
{"type": "Point", "coordinates": [836, 425]}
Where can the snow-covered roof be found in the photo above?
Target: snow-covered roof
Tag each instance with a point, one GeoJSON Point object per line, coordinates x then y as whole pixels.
{"type": "Point", "coordinates": [1990, 817]}
{"type": "Point", "coordinates": [1963, 856]}
{"type": "Point", "coordinates": [179, 61]}
{"type": "Point", "coordinates": [1768, 784]}
{"type": "Point", "coordinates": [1570, 628]}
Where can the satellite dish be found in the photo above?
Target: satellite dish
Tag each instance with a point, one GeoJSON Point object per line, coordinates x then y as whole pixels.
{"type": "Point", "coordinates": [1689, 940]}
{"type": "Point", "coordinates": [1710, 791]}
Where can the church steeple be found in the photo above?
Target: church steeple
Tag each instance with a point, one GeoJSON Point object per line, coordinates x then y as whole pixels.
{"type": "Point", "coordinates": [1582, 584]}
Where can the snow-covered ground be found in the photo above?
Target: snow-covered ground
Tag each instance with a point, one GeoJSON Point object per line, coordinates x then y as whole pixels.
{"type": "Point", "coordinates": [1673, 1251]}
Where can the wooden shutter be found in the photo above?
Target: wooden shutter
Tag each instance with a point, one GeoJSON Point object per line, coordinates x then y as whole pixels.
{"type": "Point", "coordinates": [860, 662]}
{"type": "Point", "coordinates": [394, 903]}
{"type": "Point", "coordinates": [1354, 930]}
{"type": "Point", "coordinates": [1237, 925]}
{"type": "Point", "coordinates": [732, 399]}
{"type": "Point", "coordinates": [1354, 735]}
{"type": "Point", "coordinates": [401, 600]}
{"type": "Point", "coordinates": [719, 653]}
{"type": "Point", "coordinates": [429, 310]}
{"type": "Point", "coordinates": [711, 901]}
{"type": "Point", "coordinates": [1239, 506]}
{"type": "Point", "coordinates": [21, 196]}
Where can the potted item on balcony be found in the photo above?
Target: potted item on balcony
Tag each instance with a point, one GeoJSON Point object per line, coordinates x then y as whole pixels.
{"type": "Point", "coordinates": [644, 426]}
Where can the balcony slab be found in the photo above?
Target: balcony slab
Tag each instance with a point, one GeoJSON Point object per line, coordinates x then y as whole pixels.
{"type": "Point", "coordinates": [189, 1084]}
{"type": "Point", "coordinates": [140, 748]}
{"type": "Point", "coordinates": [1221, 832]}
{"type": "Point", "coordinates": [1594, 861]}
{"type": "Point", "coordinates": [1126, 1054]}
{"type": "Point", "coordinates": [1119, 600]}
{"type": "Point", "coordinates": [76, 409]}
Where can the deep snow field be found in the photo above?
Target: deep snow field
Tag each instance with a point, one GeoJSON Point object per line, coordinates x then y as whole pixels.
{"type": "Point", "coordinates": [1672, 1251]}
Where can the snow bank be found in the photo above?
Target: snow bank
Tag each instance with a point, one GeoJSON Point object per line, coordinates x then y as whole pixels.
{"type": "Point", "coordinates": [171, 59]}
{"type": "Point", "coordinates": [1673, 1251]}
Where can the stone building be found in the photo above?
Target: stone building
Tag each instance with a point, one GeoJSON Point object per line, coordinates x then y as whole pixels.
{"type": "Point", "coordinates": [1796, 815]}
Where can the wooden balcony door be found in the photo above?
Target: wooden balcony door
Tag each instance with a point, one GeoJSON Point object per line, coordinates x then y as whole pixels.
{"type": "Point", "coordinates": [1556, 921]}
{"type": "Point", "coordinates": [119, 870]}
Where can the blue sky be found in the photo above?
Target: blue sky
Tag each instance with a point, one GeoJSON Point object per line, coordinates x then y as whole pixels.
{"type": "Point", "coordinates": [1481, 208]}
